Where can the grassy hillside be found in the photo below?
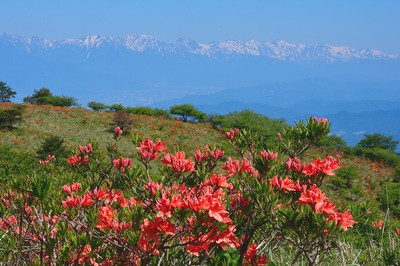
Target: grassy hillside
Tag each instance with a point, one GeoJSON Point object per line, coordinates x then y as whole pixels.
{"type": "Point", "coordinates": [76, 125]}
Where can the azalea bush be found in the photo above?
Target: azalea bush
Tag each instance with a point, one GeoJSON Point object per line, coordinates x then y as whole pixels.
{"type": "Point", "coordinates": [156, 206]}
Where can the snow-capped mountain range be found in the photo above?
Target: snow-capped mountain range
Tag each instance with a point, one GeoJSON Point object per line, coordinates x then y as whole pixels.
{"type": "Point", "coordinates": [144, 43]}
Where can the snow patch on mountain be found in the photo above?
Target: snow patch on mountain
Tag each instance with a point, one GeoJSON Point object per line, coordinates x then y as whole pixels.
{"type": "Point", "coordinates": [144, 43]}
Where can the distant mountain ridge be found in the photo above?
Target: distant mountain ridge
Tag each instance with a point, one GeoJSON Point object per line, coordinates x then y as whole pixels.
{"type": "Point", "coordinates": [144, 43]}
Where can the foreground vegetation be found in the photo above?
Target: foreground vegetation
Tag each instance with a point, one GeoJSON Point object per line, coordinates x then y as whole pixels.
{"type": "Point", "coordinates": [165, 192]}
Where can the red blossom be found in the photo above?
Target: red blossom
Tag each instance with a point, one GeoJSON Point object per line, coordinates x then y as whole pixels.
{"type": "Point", "coordinates": [328, 208]}
{"type": "Point", "coordinates": [78, 201]}
{"type": "Point", "coordinates": [77, 159]}
{"type": "Point", "coordinates": [153, 187]}
{"type": "Point", "coordinates": [318, 167]}
{"type": "Point", "coordinates": [232, 133]}
{"type": "Point", "coordinates": [107, 220]}
{"type": "Point", "coordinates": [82, 255]}
{"type": "Point", "coordinates": [227, 238]}
{"type": "Point", "coordinates": [279, 136]}
{"type": "Point", "coordinates": [293, 164]}
{"type": "Point", "coordinates": [199, 156]}
{"type": "Point", "coordinates": [178, 162]}
{"type": "Point", "coordinates": [86, 149]}
{"type": "Point", "coordinates": [268, 156]}
{"type": "Point", "coordinates": [152, 231]}
{"type": "Point", "coordinates": [6, 222]}
{"type": "Point", "coordinates": [378, 224]}
{"type": "Point", "coordinates": [238, 201]}
{"type": "Point", "coordinates": [216, 154]}
{"type": "Point", "coordinates": [218, 212]}
{"type": "Point", "coordinates": [98, 193]}
{"type": "Point", "coordinates": [234, 167]}
{"type": "Point", "coordinates": [283, 184]}
{"type": "Point", "coordinates": [68, 189]}
{"type": "Point", "coordinates": [122, 163]}
{"type": "Point", "coordinates": [48, 160]}
{"type": "Point", "coordinates": [164, 206]}
{"type": "Point", "coordinates": [313, 197]}
{"type": "Point", "coordinates": [220, 181]}
{"type": "Point", "coordinates": [321, 120]}
{"type": "Point", "coordinates": [344, 220]}
{"type": "Point", "coordinates": [148, 149]}
{"type": "Point", "coordinates": [252, 258]}
{"type": "Point", "coordinates": [118, 131]}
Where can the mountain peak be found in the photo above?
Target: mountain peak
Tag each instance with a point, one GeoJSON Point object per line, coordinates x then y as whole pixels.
{"type": "Point", "coordinates": [142, 43]}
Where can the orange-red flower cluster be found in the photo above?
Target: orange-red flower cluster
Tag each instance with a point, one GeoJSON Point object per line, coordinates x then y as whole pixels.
{"type": "Point", "coordinates": [148, 149]}
{"type": "Point", "coordinates": [86, 149]}
{"type": "Point", "coordinates": [268, 156]}
{"type": "Point", "coordinates": [235, 167]}
{"type": "Point", "coordinates": [317, 200]}
{"type": "Point", "coordinates": [68, 189]}
{"type": "Point", "coordinates": [122, 164]}
{"type": "Point", "coordinates": [77, 159]}
{"type": "Point", "coordinates": [107, 220]}
{"type": "Point", "coordinates": [232, 133]}
{"type": "Point", "coordinates": [316, 168]}
{"type": "Point", "coordinates": [378, 224]}
{"type": "Point", "coordinates": [48, 160]}
{"type": "Point", "coordinates": [253, 259]}
{"type": "Point", "coordinates": [178, 162]}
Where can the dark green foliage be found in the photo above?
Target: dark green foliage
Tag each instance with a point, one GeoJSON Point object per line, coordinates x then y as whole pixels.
{"type": "Point", "coordinates": [333, 142]}
{"type": "Point", "coordinates": [52, 145]}
{"type": "Point", "coordinates": [216, 120]}
{"type": "Point", "coordinates": [390, 198]}
{"type": "Point", "coordinates": [122, 119]}
{"type": "Point", "coordinates": [11, 116]}
{"type": "Point", "coordinates": [144, 110]}
{"type": "Point", "coordinates": [44, 96]}
{"type": "Point", "coordinates": [38, 96]}
{"type": "Point", "coordinates": [6, 93]}
{"type": "Point", "coordinates": [378, 154]}
{"type": "Point", "coordinates": [378, 141]}
{"type": "Point", "coordinates": [396, 177]}
{"type": "Point", "coordinates": [117, 107]}
{"type": "Point", "coordinates": [188, 111]}
{"type": "Point", "coordinates": [97, 106]}
{"type": "Point", "coordinates": [247, 119]}
{"type": "Point", "coordinates": [15, 162]}
{"type": "Point", "coordinates": [345, 182]}
{"type": "Point", "coordinates": [61, 101]}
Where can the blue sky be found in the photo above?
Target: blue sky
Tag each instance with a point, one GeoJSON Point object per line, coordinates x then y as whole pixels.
{"type": "Point", "coordinates": [355, 23]}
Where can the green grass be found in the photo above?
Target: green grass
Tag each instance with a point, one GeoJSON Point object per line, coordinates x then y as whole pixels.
{"type": "Point", "coordinates": [76, 126]}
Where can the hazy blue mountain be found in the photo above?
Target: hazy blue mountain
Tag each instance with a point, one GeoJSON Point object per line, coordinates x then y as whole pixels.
{"type": "Point", "coordinates": [278, 79]}
{"type": "Point", "coordinates": [141, 69]}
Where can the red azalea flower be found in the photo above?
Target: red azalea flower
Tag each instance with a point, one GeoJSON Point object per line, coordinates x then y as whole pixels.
{"type": "Point", "coordinates": [178, 162]}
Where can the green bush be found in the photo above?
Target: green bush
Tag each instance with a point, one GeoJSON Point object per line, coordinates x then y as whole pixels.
{"type": "Point", "coordinates": [11, 116]}
{"type": "Point", "coordinates": [247, 119]}
{"type": "Point", "coordinates": [378, 141]}
{"type": "Point", "coordinates": [96, 106]}
{"type": "Point", "coordinates": [378, 154]}
{"type": "Point", "coordinates": [15, 162]}
{"type": "Point", "coordinates": [333, 142]}
{"type": "Point", "coordinates": [188, 112]}
{"type": "Point", "coordinates": [389, 198]}
{"type": "Point", "coordinates": [52, 145]}
{"type": "Point", "coordinates": [144, 110]}
{"type": "Point", "coordinates": [44, 97]}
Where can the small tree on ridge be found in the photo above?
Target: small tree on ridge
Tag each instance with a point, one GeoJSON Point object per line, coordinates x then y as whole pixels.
{"type": "Point", "coordinates": [6, 92]}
